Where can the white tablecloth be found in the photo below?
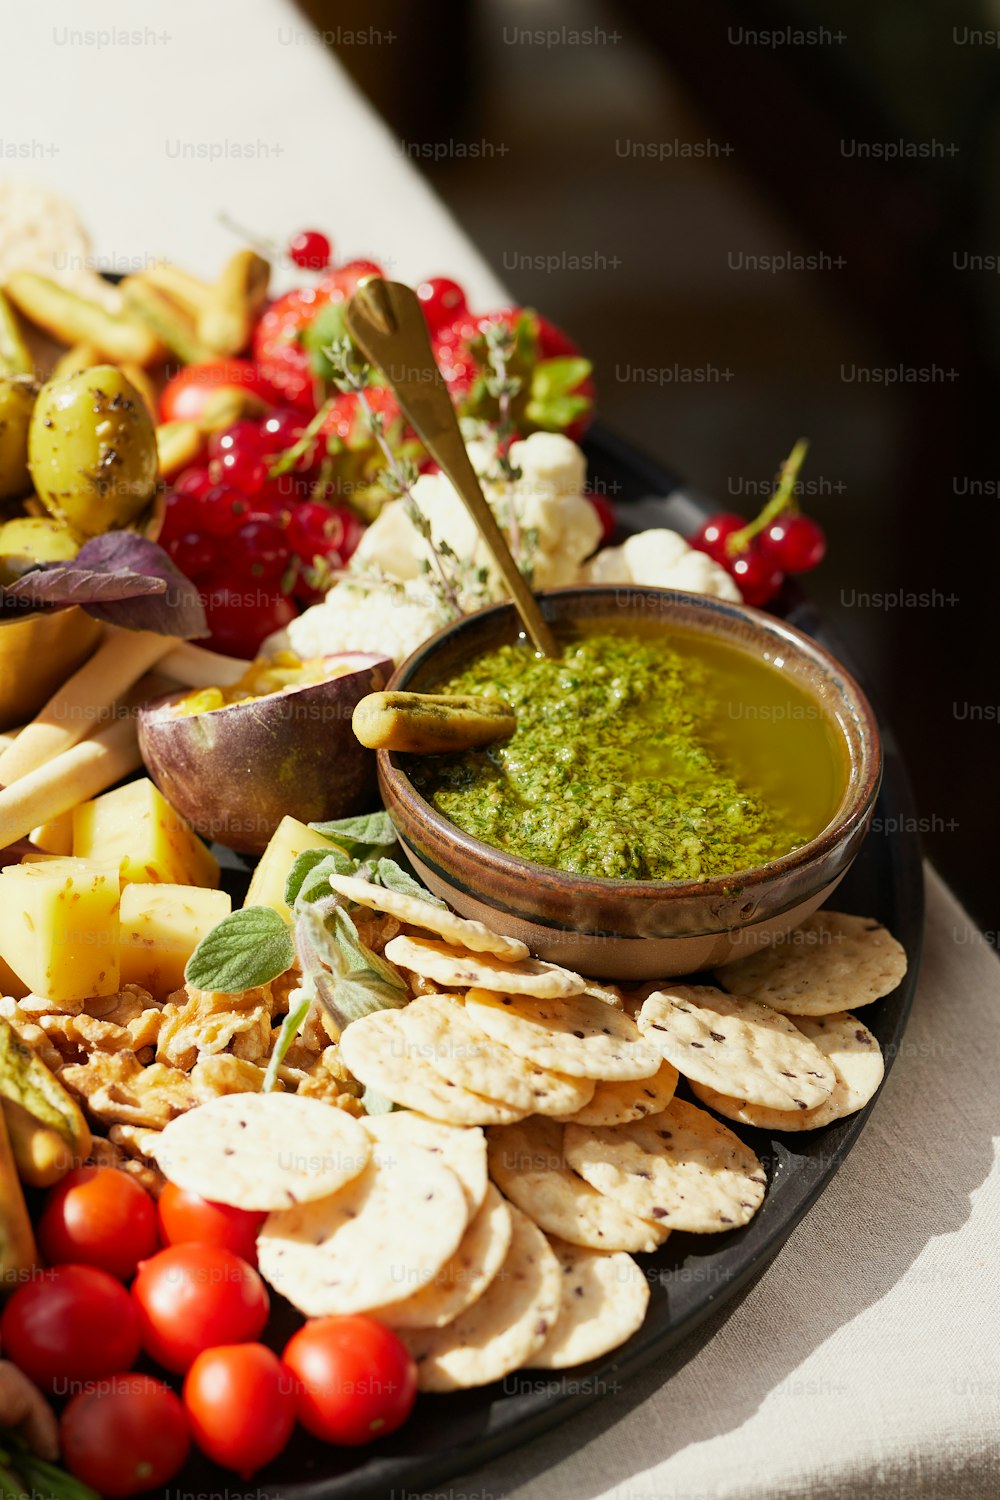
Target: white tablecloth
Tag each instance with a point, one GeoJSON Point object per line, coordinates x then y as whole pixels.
{"type": "Point", "coordinates": [866, 1360]}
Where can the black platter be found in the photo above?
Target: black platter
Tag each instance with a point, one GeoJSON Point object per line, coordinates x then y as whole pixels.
{"type": "Point", "coordinates": [692, 1276]}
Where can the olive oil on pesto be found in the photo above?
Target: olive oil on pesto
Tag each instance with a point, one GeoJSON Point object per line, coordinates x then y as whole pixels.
{"type": "Point", "coordinates": [642, 755]}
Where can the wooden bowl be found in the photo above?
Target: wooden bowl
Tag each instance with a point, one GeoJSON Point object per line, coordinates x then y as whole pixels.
{"type": "Point", "coordinates": [649, 929]}
{"type": "Point", "coordinates": [37, 654]}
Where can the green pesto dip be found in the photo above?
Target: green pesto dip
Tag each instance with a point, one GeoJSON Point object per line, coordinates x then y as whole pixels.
{"type": "Point", "coordinates": [640, 756]}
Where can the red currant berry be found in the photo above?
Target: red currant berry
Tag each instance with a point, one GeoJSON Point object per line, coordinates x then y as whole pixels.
{"type": "Point", "coordinates": [442, 300]}
{"type": "Point", "coordinates": [314, 530]}
{"type": "Point", "coordinates": [180, 514]}
{"type": "Point", "coordinates": [280, 429]}
{"type": "Point", "coordinates": [196, 482]}
{"type": "Point", "coordinates": [243, 436]}
{"type": "Point", "coordinates": [223, 510]}
{"type": "Point", "coordinates": [194, 553]}
{"type": "Point", "coordinates": [714, 534]}
{"type": "Point", "coordinates": [795, 543]}
{"type": "Point", "coordinates": [245, 471]}
{"type": "Point", "coordinates": [263, 548]}
{"type": "Point", "coordinates": [756, 576]}
{"type": "Point", "coordinates": [239, 620]}
{"type": "Point", "coordinates": [310, 249]}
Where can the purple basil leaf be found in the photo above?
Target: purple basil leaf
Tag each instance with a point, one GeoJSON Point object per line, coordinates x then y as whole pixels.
{"type": "Point", "coordinates": [65, 583]}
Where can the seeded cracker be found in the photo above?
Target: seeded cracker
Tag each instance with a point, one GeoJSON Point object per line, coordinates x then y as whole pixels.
{"type": "Point", "coordinates": [377, 1240]}
{"type": "Point", "coordinates": [831, 963]}
{"type": "Point", "coordinates": [456, 969]}
{"type": "Point", "coordinates": [378, 1052]}
{"type": "Point", "coordinates": [527, 1164]}
{"type": "Point", "coordinates": [461, 932]}
{"type": "Point", "coordinates": [738, 1046]}
{"type": "Point", "coordinates": [604, 1300]}
{"type": "Point", "coordinates": [501, 1331]}
{"type": "Point", "coordinates": [633, 1099]}
{"type": "Point", "coordinates": [462, 1148]}
{"type": "Point", "coordinates": [856, 1060]}
{"type": "Point", "coordinates": [445, 1035]}
{"type": "Point", "coordinates": [682, 1169]}
{"type": "Point", "coordinates": [262, 1151]}
{"type": "Point", "coordinates": [463, 1279]}
{"type": "Point", "coordinates": [577, 1035]}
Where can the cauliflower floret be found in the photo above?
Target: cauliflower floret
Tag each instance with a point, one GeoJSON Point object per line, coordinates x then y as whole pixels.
{"type": "Point", "coordinates": [550, 464]}
{"type": "Point", "coordinates": [367, 617]}
{"type": "Point", "coordinates": [662, 559]}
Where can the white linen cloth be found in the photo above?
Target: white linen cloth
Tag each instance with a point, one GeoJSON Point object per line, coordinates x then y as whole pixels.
{"type": "Point", "coordinates": [864, 1362]}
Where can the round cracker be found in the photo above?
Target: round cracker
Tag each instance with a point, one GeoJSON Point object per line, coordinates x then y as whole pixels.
{"type": "Point", "coordinates": [856, 1060]}
{"type": "Point", "coordinates": [463, 1279]}
{"type": "Point", "coordinates": [456, 969]}
{"type": "Point", "coordinates": [262, 1151]}
{"type": "Point", "coordinates": [632, 1099]}
{"type": "Point", "coordinates": [443, 1033]}
{"type": "Point", "coordinates": [384, 1234]}
{"type": "Point", "coordinates": [460, 931]}
{"type": "Point", "coordinates": [577, 1035]}
{"type": "Point", "coordinates": [503, 1329]}
{"type": "Point", "coordinates": [682, 1169]}
{"type": "Point", "coordinates": [736, 1045]}
{"type": "Point", "coordinates": [460, 1147]}
{"type": "Point", "coordinates": [831, 963]}
{"type": "Point", "coordinates": [604, 1300]}
{"type": "Point", "coordinates": [528, 1165]}
{"type": "Point", "coordinates": [380, 1054]}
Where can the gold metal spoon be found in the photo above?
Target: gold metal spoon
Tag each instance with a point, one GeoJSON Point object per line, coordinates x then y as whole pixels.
{"type": "Point", "coordinates": [386, 321]}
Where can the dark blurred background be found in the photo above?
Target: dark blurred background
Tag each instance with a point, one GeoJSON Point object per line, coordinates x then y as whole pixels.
{"type": "Point", "coordinates": [791, 218]}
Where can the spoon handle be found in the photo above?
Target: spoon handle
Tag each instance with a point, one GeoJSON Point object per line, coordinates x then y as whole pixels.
{"type": "Point", "coordinates": [386, 320]}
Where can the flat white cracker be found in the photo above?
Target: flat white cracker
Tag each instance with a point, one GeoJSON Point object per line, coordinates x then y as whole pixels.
{"type": "Point", "coordinates": [445, 1035]}
{"type": "Point", "coordinates": [463, 1279]}
{"type": "Point", "coordinates": [503, 1329]}
{"type": "Point", "coordinates": [856, 1060]}
{"type": "Point", "coordinates": [460, 1147]}
{"type": "Point", "coordinates": [460, 931]}
{"type": "Point", "coordinates": [682, 1169]}
{"type": "Point", "coordinates": [528, 1165]}
{"type": "Point", "coordinates": [736, 1045]}
{"type": "Point", "coordinates": [378, 1052]}
{"type": "Point", "coordinates": [632, 1099]}
{"type": "Point", "coordinates": [604, 1300]}
{"type": "Point", "coordinates": [262, 1151]}
{"type": "Point", "coordinates": [456, 969]}
{"type": "Point", "coordinates": [383, 1235]}
{"type": "Point", "coordinates": [577, 1035]}
{"type": "Point", "coordinates": [833, 962]}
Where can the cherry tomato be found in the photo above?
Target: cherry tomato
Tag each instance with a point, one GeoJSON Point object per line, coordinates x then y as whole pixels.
{"type": "Point", "coordinates": [96, 1216]}
{"type": "Point", "coordinates": [240, 1401]}
{"type": "Point", "coordinates": [357, 1379]}
{"type": "Point", "coordinates": [184, 397]}
{"type": "Point", "coordinates": [192, 1297]}
{"type": "Point", "coordinates": [185, 1217]}
{"type": "Point", "coordinates": [125, 1437]}
{"type": "Point", "coordinates": [70, 1325]}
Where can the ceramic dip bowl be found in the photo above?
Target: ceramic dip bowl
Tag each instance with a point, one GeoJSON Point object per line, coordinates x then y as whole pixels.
{"type": "Point", "coordinates": [640, 929]}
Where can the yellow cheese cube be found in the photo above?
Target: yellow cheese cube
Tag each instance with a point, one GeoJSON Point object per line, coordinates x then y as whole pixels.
{"type": "Point", "coordinates": [59, 926]}
{"type": "Point", "coordinates": [161, 926]}
{"type": "Point", "coordinates": [136, 825]}
{"type": "Point", "coordinates": [290, 839]}
{"type": "Point", "coordinates": [55, 837]}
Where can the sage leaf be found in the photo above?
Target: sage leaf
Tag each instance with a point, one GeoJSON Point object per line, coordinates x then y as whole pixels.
{"type": "Point", "coordinates": [248, 948]}
{"type": "Point", "coordinates": [308, 877]}
{"type": "Point", "coordinates": [361, 836]}
{"type": "Point", "coordinates": [290, 1028]}
{"type": "Point", "coordinates": [394, 878]}
{"type": "Point", "coordinates": [376, 1103]}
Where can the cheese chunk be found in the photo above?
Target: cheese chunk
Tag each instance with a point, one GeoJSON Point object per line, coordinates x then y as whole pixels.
{"type": "Point", "coordinates": [161, 926]}
{"type": "Point", "coordinates": [136, 825]}
{"type": "Point", "coordinates": [290, 839]}
{"type": "Point", "coordinates": [59, 929]}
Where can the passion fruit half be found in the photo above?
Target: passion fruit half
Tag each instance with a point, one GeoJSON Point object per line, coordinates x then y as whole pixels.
{"type": "Point", "coordinates": [235, 761]}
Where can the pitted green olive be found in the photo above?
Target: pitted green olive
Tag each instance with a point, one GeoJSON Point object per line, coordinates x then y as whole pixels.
{"type": "Point", "coordinates": [92, 450]}
{"type": "Point", "coordinates": [17, 398]}
{"type": "Point", "coordinates": [28, 540]}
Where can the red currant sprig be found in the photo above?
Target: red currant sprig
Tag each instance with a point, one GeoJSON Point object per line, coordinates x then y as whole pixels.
{"type": "Point", "coordinates": [780, 540]}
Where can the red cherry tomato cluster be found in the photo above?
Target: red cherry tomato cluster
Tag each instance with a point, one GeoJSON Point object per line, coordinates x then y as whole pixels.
{"type": "Point", "coordinates": [759, 554]}
{"type": "Point", "coordinates": [197, 1308]}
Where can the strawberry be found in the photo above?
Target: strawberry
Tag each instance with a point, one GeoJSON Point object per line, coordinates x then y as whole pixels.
{"type": "Point", "coordinates": [557, 391]}
{"type": "Point", "coordinates": [290, 334]}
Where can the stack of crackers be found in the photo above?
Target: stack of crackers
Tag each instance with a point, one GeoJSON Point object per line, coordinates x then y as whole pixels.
{"type": "Point", "coordinates": [537, 1142]}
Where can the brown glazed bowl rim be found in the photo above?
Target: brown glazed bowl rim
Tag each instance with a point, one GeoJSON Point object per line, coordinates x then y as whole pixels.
{"type": "Point", "coordinates": [860, 790]}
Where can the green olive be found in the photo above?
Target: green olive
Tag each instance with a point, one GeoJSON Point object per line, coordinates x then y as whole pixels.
{"type": "Point", "coordinates": [17, 398]}
{"type": "Point", "coordinates": [92, 450]}
{"type": "Point", "coordinates": [33, 539]}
